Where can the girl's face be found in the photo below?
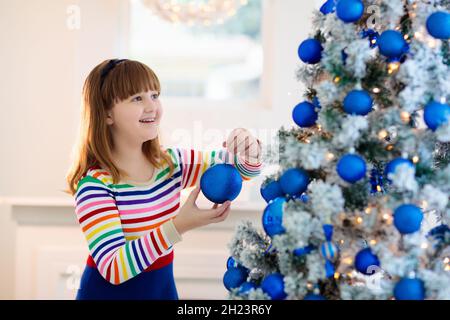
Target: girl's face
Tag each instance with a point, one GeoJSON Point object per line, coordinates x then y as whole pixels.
{"type": "Point", "coordinates": [137, 118]}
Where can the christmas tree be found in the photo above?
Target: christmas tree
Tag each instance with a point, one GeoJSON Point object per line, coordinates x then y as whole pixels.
{"type": "Point", "coordinates": [359, 205]}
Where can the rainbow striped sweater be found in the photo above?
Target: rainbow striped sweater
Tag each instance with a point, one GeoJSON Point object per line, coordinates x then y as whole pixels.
{"type": "Point", "coordinates": [128, 226]}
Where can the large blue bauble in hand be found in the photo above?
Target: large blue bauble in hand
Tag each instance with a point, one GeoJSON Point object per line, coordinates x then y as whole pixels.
{"type": "Point", "coordinates": [271, 191]}
{"type": "Point", "coordinates": [234, 277]}
{"type": "Point", "coordinates": [409, 289]}
{"type": "Point", "coordinates": [304, 114]}
{"type": "Point", "coordinates": [366, 262]}
{"type": "Point", "coordinates": [221, 182]}
{"type": "Point", "coordinates": [438, 25]}
{"type": "Point", "coordinates": [358, 102]}
{"type": "Point", "coordinates": [392, 44]}
{"type": "Point", "coordinates": [349, 10]}
{"type": "Point", "coordinates": [294, 181]}
{"type": "Point", "coordinates": [436, 114]}
{"type": "Point", "coordinates": [351, 168]}
{"type": "Point", "coordinates": [272, 219]}
{"type": "Point", "coordinates": [273, 285]}
{"type": "Point", "coordinates": [310, 51]}
{"type": "Point", "coordinates": [408, 218]}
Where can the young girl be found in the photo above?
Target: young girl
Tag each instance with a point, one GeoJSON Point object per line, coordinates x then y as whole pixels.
{"type": "Point", "coordinates": [127, 187]}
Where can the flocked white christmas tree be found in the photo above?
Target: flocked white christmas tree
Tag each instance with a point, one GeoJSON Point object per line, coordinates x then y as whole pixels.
{"type": "Point", "coordinates": [359, 208]}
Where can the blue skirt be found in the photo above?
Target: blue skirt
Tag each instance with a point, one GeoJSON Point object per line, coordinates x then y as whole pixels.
{"type": "Point", "coordinates": [157, 284]}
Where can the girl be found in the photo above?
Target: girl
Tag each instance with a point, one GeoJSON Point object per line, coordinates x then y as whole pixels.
{"type": "Point", "coordinates": [127, 187]}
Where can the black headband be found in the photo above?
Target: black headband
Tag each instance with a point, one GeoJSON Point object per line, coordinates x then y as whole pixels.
{"type": "Point", "coordinates": [111, 65]}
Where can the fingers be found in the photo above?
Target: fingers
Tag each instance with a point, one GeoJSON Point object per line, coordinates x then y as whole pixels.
{"type": "Point", "coordinates": [217, 211]}
{"type": "Point", "coordinates": [222, 216]}
{"type": "Point", "coordinates": [193, 195]}
{"type": "Point", "coordinates": [215, 206]}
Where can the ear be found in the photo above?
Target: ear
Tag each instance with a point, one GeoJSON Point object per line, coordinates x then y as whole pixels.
{"type": "Point", "coordinates": [109, 119]}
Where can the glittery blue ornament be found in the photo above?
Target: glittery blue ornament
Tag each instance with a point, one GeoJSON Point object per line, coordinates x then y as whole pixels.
{"type": "Point", "coordinates": [351, 168]}
{"type": "Point", "coordinates": [294, 181]}
{"type": "Point", "coordinates": [372, 35]}
{"type": "Point", "coordinates": [392, 44]}
{"type": "Point", "coordinates": [234, 277]}
{"type": "Point", "coordinates": [358, 102]}
{"type": "Point", "coordinates": [366, 262]}
{"type": "Point", "coordinates": [409, 289]}
{"type": "Point", "coordinates": [272, 218]}
{"type": "Point", "coordinates": [436, 114]}
{"type": "Point", "coordinates": [310, 51]}
{"type": "Point", "coordinates": [440, 233]}
{"type": "Point", "coordinates": [328, 7]}
{"type": "Point", "coordinates": [376, 181]}
{"type": "Point", "coordinates": [408, 218]}
{"type": "Point", "coordinates": [349, 10]}
{"type": "Point", "coordinates": [273, 285]}
{"type": "Point", "coordinates": [247, 286]}
{"type": "Point", "coordinates": [221, 182]}
{"type": "Point", "coordinates": [304, 114]}
{"type": "Point", "coordinates": [438, 25]}
{"type": "Point", "coordinates": [231, 263]}
{"type": "Point", "coordinates": [271, 191]}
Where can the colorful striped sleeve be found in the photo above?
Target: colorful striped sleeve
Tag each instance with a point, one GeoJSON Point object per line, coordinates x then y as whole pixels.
{"type": "Point", "coordinates": [116, 258]}
{"type": "Point", "coordinates": [194, 163]}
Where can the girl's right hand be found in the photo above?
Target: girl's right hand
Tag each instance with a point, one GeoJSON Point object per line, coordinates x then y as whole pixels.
{"type": "Point", "coordinates": [191, 216]}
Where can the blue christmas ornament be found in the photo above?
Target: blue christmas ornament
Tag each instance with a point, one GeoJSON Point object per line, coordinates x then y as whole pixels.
{"type": "Point", "coordinates": [440, 233]}
{"type": "Point", "coordinates": [231, 263]}
{"type": "Point", "coordinates": [329, 250]}
{"type": "Point", "coordinates": [376, 181]}
{"type": "Point", "coordinates": [349, 10]}
{"type": "Point", "coordinates": [310, 51]}
{"type": "Point", "coordinates": [409, 289]}
{"type": "Point", "coordinates": [273, 285]}
{"type": "Point", "coordinates": [272, 218]}
{"type": "Point", "coordinates": [246, 287]}
{"type": "Point", "coordinates": [438, 25]}
{"type": "Point", "coordinates": [234, 277]}
{"type": "Point", "coordinates": [299, 252]}
{"type": "Point", "coordinates": [366, 262]}
{"type": "Point", "coordinates": [408, 218]}
{"type": "Point", "coordinates": [392, 44]}
{"type": "Point", "coordinates": [316, 102]}
{"type": "Point", "coordinates": [328, 7]}
{"type": "Point", "coordinates": [294, 181]}
{"type": "Point", "coordinates": [304, 114]}
{"type": "Point", "coordinates": [271, 191]}
{"type": "Point", "coordinates": [221, 182]}
{"type": "Point", "coordinates": [393, 164]}
{"type": "Point", "coordinates": [358, 102]}
{"type": "Point", "coordinates": [312, 296]}
{"type": "Point", "coordinates": [344, 57]}
{"type": "Point", "coordinates": [351, 168]}
{"type": "Point", "coordinates": [372, 35]}
{"type": "Point", "coordinates": [436, 114]}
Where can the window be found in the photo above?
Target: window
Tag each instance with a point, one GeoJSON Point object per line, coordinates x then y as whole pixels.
{"type": "Point", "coordinates": [220, 62]}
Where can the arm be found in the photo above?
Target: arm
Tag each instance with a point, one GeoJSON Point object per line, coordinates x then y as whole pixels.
{"type": "Point", "coordinates": [117, 259]}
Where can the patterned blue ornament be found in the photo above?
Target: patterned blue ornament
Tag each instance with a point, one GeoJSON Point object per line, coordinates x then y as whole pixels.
{"type": "Point", "coordinates": [272, 218]}
{"type": "Point", "coordinates": [438, 25]}
{"type": "Point", "coordinates": [310, 51]}
{"type": "Point", "coordinates": [271, 191]}
{"type": "Point", "coordinates": [436, 114]}
{"type": "Point", "coordinates": [247, 286]}
{"type": "Point", "coordinates": [328, 7]}
{"type": "Point", "coordinates": [393, 164]}
{"type": "Point", "coordinates": [328, 250]}
{"type": "Point", "coordinates": [231, 263]}
{"type": "Point", "coordinates": [221, 182]}
{"type": "Point", "coordinates": [304, 114]}
{"type": "Point", "coordinates": [294, 181]}
{"type": "Point", "coordinates": [234, 277]}
{"type": "Point", "coordinates": [358, 102]}
{"type": "Point", "coordinates": [312, 296]}
{"type": "Point", "coordinates": [351, 168]}
{"type": "Point", "coordinates": [408, 218]}
{"type": "Point", "coordinates": [372, 35]}
{"type": "Point", "coordinates": [349, 10]}
{"type": "Point", "coordinates": [376, 181]}
{"type": "Point", "coordinates": [366, 262]}
{"type": "Point", "coordinates": [392, 44]}
{"type": "Point", "coordinates": [273, 285]}
{"type": "Point", "coordinates": [299, 252]}
{"type": "Point", "coordinates": [440, 233]}
{"type": "Point", "coordinates": [409, 289]}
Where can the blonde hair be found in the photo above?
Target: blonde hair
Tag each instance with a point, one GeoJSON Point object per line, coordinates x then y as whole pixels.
{"type": "Point", "coordinates": [95, 143]}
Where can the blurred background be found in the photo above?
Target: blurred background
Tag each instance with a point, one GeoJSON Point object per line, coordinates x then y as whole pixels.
{"type": "Point", "coordinates": [223, 64]}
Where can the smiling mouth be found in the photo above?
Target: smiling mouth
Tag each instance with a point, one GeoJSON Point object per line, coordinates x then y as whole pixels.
{"type": "Point", "coordinates": [147, 120]}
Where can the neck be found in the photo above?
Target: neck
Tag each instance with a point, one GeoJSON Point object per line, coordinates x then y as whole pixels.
{"type": "Point", "coordinates": [126, 153]}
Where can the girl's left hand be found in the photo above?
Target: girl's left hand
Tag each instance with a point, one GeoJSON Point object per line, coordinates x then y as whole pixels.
{"type": "Point", "coordinates": [242, 142]}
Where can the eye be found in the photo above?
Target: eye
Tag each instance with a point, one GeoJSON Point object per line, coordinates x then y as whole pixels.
{"type": "Point", "coordinates": [155, 96]}
{"type": "Point", "coordinates": [138, 98]}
